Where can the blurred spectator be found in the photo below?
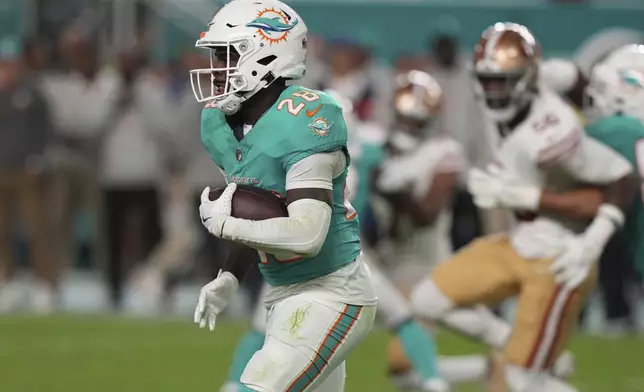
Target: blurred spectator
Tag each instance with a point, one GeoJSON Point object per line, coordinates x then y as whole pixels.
{"type": "Point", "coordinates": [36, 56]}
{"type": "Point", "coordinates": [83, 101]}
{"type": "Point", "coordinates": [25, 130]}
{"type": "Point", "coordinates": [617, 279]}
{"type": "Point", "coordinates": [461, 115]}
{"type": "Point", "coordinates": [136, 157]}
{"type": "Point", "coordinates": [200, 171]}
{"type": "Point", "coordinates": [355, 75]}
{"type": "Point", "coordinates": [409, 62]}
{"type": "Point", "coordinates": [177, 115]}
{"type": "Point", "coordinates": [461, 118]}
{"type": "Point", "coordinates": [316, 65]}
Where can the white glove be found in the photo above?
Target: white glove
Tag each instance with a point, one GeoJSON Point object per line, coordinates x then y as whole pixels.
{"type": "Point", "coordinates": [573, 266]}
{"type": "Point", "coordinates": [214, 213]}
{"type": "Point", "coordinates": [494, 188]}
{"type": "Point", "coordinates": [484, 188]}
{"type": "Point", "coordinates": [519, 197]}
{"type": "Point", "coordinates": [214, 298]}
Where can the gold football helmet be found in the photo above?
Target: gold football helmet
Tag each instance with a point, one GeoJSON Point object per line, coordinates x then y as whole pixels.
{"type": "Point", "coordinates": [417, 96]}
{"type": "Point", "coordinates": [417, 102]}
{"type": "Point", "coordinates": [506, 64]}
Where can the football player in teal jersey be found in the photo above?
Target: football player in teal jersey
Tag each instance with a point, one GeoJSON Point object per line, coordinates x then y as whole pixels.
{"type": "Point", "coordinates": [292, 141]}
{"type": "Point", "coordinates": [393, 308]}
{"type": "Point", "coordinates": [616, 114]}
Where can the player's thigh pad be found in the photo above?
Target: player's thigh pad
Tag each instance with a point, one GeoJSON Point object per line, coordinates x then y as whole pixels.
{"type": "Point", "coordinates": [306, 340]}
{"type": "Point", "coordinates": [546, 315]}
{"type": "Point", "coordinates": [480, 273]}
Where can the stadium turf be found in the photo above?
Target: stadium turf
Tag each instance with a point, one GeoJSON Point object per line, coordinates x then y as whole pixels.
{"type": "Point", "coordinates": [105, 354]}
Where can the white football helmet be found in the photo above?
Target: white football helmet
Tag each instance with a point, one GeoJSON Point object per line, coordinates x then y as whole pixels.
{"type": "Point", "coordinates": [627, 56]}
{"type": "Point", "coordinates": [616, 85]}
{"type": "Point", "coordinates": [251, 44]}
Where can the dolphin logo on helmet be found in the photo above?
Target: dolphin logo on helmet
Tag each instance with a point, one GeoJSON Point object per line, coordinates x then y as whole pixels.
{"type": "Point", "coordinates": [271, 24]}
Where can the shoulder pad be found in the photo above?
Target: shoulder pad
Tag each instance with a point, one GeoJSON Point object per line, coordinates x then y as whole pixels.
{"type": "Point", "coordinates": [315, 124]}
{"type": "Point", "coordinates": [555, 130]}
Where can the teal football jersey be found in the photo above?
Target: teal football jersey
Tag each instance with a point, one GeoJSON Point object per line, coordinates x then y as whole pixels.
{"type": "Point", "coordinates": [301, 123]}
{"type": "Point", "coordinates": [626, 136]}
{"type": "Point", "coordinates": [370, 157]}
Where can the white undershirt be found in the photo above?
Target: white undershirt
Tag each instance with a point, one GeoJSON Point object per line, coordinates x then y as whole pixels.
{"type": "Point", "coordinates": [316, 171]}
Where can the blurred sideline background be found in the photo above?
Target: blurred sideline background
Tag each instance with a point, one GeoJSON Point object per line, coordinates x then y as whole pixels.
{"type": "Point", "coordinates": [101, 166]}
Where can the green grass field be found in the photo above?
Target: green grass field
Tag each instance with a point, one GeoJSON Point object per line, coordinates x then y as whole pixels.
{"type": "Point", "coordinates": [106, 354]}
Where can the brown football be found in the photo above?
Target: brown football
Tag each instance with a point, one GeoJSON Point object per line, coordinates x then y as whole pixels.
{"type": "Point", "coordinates": [254, 203]}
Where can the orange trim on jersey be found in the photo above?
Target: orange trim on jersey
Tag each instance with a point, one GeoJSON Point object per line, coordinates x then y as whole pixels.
{"type": "Point", "coordinates": [346, 209]}
{"type": "Point", "coordinates": [291, 260]}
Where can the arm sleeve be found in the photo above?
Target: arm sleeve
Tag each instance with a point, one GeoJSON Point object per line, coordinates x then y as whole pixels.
{"type": "Point", "coordinates": [593, 162]}
{"type": "Point", "coordinates": [304, 231]}
{"type": "Point", "coordinates": [453, 159]}
{"type": "Point", "coordinates": [316, 171]}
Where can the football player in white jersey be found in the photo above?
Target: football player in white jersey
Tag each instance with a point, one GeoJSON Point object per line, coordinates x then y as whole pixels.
{"type": "Point", "coordinates": [417, 178]}
{"type": "Point", "coordinates": [419, 175]}
{"type": "Point", "coordinates": [547, 260]}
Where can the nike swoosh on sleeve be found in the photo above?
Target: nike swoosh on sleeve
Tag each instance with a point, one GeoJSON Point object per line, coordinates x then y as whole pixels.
{"type": "Point", "coordinates": [312, 112]}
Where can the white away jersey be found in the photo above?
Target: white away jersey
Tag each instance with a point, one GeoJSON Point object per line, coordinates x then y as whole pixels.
{"type": "Point", "coordinates": [428, 245]}
{"type": "Point", "coordinates": [549, 149]}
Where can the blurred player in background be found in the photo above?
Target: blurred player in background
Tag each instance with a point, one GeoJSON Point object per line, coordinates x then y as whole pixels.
{"type": "Point", "coordinates": [548, 258]}
{"type": "Point", "coordinates": [417, 178]}
{"type": "Point", "coordinates": [615, 111]}
{"type": "Point", "coordinates": [292, 141]}
{"type": "Point", "coordinates": [419, 175]}
{"type": "Point", "coordinates": [366, 149]}
{"type": "Point", "coordinates": [615, 89]}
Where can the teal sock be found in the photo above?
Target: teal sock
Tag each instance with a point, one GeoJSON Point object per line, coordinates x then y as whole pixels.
{"type": "Point", "coordinates": [420, 349]}
{"type": "Point", "coordinates": [247, 346]}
